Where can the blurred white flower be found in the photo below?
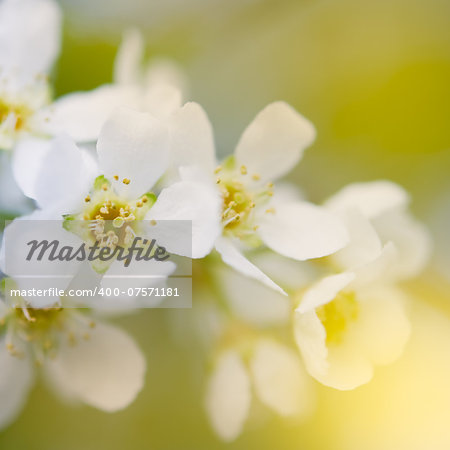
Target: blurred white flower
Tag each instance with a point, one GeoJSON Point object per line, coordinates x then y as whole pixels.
{"type": "Point", "coordinates": [350, 321]}
{"type": "Point", "coordinates": [276, 375]}
{"type": "Point", "coordinates": [156, 88]}
{"type": "Point", "coordinates": [29, 43]}
{"type": "Point", "coordinates": [81, 358]}
{"type": "Point", "coordinates": [385, 205]}
{"type": "Point", "coordinates": [344, 328]}
{"type": "Point", "coordinates": [251, 215]}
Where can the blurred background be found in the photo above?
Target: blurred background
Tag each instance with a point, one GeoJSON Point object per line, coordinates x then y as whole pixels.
{"type": "Point", "coordinates": [374, 77]}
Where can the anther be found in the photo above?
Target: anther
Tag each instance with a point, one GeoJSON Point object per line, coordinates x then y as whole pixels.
{"type": "Point", "coordinates": [126, 181]}
{"type": "Point", "coordinates": [243, 170]}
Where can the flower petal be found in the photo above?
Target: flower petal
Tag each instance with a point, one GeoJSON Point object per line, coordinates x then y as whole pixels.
{"type": "Point", "coordinates": [29, 36]}
{"type": "Point", "coordinates": [16, 378]}
{"type": "Point", "coordinates": [189, 201]}
{"type": "Point", "coordinates": [310, 336]}
{"type": "Point", "coordinates": [54, 173]}
{"type": "Point", "coordinates": [372, 199]}
{"type": "Point", "coordinates": [135, 146]}
{"type": "Point", "coordinates": [228, 396]}
{"type": "Point", "coordinates": [107, 371]}
{"type": "Point", "coordinates": [12, 199]}
{"type": "Point", "coordinates": [342, 366]}
{"type": "Point", "coordinates": [235, 259]}
{"type": "Point", "coordinates": [383, 328]}
{"type": "Point", "coordinates": [274, 142]}
{"type": "Point", "coordinates": [302, 231]}
{"type": "Point", "coordinates": [324, 291]}
{"type": "Point", "coordinates": [82, 114]}
{"type": "Point", "coordinates": [279, 379]}
{"type": "Point", "coordinates": [127, 65]}
{"type": "Point", "coordinates": [161, 100]}
{"type": "Point", "coordinates": [411, 239]}
{"type": "Point", "coordinates": [364, 246]}
{"type": "Point", "coordinates": [19, 261]}
{"type": "Point", "coordinates": [192, 140]}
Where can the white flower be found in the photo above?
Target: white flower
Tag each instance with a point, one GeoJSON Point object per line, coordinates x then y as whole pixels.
{"type": "Point", "coordinates": [348, 322]}
{"type": "Point", "coordinates": [133, 153]}
{"type": "Point", "coordinates": [344, 328]}
{"type": "Point", "coordinates": [29, 44]}
{"type": "Point", "coordinates": [251, 215]}
{"type": "Point", "coordinates": [276, 375]}
{"type": "Point", "coordinates": [81, 359]}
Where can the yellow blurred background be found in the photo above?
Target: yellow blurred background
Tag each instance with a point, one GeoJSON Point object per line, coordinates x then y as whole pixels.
{"type": "Point", "coordinates": [374, 77]}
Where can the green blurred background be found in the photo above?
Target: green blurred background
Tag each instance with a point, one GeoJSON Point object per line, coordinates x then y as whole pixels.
{"type": "Point", "coordinates": [374, 77]}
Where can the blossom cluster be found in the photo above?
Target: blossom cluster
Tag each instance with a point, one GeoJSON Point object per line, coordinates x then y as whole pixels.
{"type": "Point", "coordinates": [285, 290]}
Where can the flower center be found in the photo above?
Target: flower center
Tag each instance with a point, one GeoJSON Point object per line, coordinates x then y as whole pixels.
{"type": "Point", "coordinates": [241, 197]}
{"type": "Point", "coordinates": [337, 315]}
{"type": "Point", "coordinates": [18, 114]}
{"type": "Point", "coordinates": [41, 330]}
{"type": "Point", "coordinates": [111, 220]}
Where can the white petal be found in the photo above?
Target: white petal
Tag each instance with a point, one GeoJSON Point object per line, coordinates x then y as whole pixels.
{"type": "Point", "coordinates": [252, 301]}
{"type": "Point", "coordinates": [12, 199]}
{"type": "Point", "coordinates": [383, 328]}
{"type": "Point", "coordinates": [168, 72]}
{"type": "Point", "coordinates": [161, 100]}
{"type": "Point", "coordinates": [16, 377]}
{"type": "Point", "coordinates": [190, 201]}
{"type": "Point", "coordinates": [228, 396]}
{"type": "Point", "coordinates": [341, 366]}
{"type": "Point", "coordinates": [279, 379]}
{"type": "Point", "coordinates": [54, 173]}
{"type": "Point", "coordinates": [302, 231]}
{"type": "Point", "coordinates": [411, 239]}
{"type": "Point", "coordinates": [133, 145]}
{"type": "Point", "coordinates": [310, 336]}
{"type": "Point", "coordinates": [380, 270]}
{"type": "Point", "coordinates": [372, 199]}
{"type": "Point", "coordinates": [192, 140]}
{"type": "Point", "coordinates": [235, 259]}
{"type": "Point", "coordinates": [274, 142]}
{"type": "Point", "coordinates": [107, 371]}
{"type": "Point", "coordinates": [29, 36]}
{"type": "Point", "coordinates": [127, 65]}
{"type": "Point", "coordinates": [27, 161]}
{"type": "Point", "coordinates": [22, 264]}
{"type": "Point", "coordinates": [364, 246]}
{"type": "Point", "coordinates": [324, 291]}
{"type": "Point", "coordinates": [82, 114]}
